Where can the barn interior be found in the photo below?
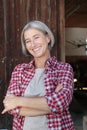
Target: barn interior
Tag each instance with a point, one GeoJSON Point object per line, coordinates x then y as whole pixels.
{"type": "Point", "coordinates": [68, 21]}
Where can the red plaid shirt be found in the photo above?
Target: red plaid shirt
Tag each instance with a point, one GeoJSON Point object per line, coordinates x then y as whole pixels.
{"type": "Point", "coordinates": [55, 73]}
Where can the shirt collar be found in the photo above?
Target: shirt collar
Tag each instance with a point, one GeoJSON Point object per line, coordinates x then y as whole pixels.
{"type": "Point", "coordinates": [51, 62]}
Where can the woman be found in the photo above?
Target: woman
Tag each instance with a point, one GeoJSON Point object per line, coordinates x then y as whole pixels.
{"type": "Point", "coordinates": [40, 92]}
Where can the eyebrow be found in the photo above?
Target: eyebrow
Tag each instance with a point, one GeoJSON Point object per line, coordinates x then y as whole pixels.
{"type": "Point", "coordinates": [35, 35]}
{"type": "Point", "coordinates": [29, 38]}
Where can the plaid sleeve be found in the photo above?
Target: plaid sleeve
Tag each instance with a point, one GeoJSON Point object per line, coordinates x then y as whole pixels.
{"type": "Point", "coordinates": [14, 86]}
{"type": "Point", "coordinates": [58, 101]}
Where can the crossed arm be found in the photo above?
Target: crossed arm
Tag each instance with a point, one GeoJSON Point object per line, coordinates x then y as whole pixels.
{"type": "Point", "coordinates": [29, 106]}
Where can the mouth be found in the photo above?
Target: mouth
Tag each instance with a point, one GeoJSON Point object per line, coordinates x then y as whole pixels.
{"type": "Point", "coordinates": [37, 49]}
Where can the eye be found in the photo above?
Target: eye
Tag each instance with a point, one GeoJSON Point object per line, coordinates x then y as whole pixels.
{"type": "Point", "coordinates": [36, 37]}
{"type": "Point", "coordinates": [27, 41]}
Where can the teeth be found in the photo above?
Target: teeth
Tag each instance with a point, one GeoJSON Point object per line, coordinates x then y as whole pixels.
{"type": "Point", "coordinates": [36, 49]}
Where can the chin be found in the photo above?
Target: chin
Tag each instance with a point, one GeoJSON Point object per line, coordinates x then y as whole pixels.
{"type": "Point", "coordinates": [38, 56]}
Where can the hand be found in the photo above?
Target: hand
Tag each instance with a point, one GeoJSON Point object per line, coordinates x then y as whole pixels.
{"type": "Point", "coordinates": [59, 87]}
{"type": "Point", "coordinates": [10, 102]}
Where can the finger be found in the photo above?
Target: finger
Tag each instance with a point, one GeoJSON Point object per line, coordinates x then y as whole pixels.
{"type": "Point", "coordinates": [6, 97]}
{"type": "Point", "coordinates": [9, 94]}
{"type": "Point", "coordinates": [59, 87]}
{"type": "Point", "coordinates": [4, 111]}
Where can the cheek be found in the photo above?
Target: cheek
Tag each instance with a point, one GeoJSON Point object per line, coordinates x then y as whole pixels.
{"type": "Point", "coordinates": [27, 46]}
{"type": "Point", "coordinates": [46, 44]}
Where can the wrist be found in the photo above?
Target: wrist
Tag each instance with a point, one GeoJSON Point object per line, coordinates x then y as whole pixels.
{"type": "Point", "coordinates": [20, 101]}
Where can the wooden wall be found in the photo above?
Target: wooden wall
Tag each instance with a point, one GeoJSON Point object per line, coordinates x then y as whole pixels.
{"type": "Point", "coordinates": [14, 14]}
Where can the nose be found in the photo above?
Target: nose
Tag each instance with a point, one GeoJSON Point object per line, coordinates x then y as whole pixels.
{"type": "Point", "coordinates": [32, 43]}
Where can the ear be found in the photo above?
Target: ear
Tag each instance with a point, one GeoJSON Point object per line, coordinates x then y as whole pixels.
{"type": "Point", "coordinates": [48, 38]}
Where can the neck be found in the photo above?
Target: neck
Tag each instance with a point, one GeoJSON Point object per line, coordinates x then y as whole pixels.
{"type": "Point", "coordinates": [40, 61]}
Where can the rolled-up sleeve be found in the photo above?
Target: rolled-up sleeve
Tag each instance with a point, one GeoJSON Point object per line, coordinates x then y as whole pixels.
{"type": "Point", "coordinates": [58, 101]}
{"type": "Point", "coordinates": [14, 87]}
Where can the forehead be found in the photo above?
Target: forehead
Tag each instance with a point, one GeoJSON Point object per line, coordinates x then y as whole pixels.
{"type": "Point", "coordinates": [33, 31]}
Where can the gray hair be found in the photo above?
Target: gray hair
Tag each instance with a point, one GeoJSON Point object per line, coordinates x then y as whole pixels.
{"type": "Point", "coordinates": [40, 26]}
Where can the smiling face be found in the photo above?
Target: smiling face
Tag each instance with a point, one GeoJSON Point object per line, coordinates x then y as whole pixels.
{"type": "Point", "coordinates": [36, 42]}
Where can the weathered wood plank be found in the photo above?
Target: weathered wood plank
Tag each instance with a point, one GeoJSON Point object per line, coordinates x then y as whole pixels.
{"type": "Point", "coordinates": [61, 29]}
{"type": "Point", "coordinates": [18, 13]}
{"type": "Point", "coordinates": [14, 14]}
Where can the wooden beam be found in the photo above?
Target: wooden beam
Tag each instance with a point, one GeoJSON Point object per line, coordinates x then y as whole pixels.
{"type": "Point", "coordinates": [61, 29]}
{"type": "Point", "coordinates": [78, 20]}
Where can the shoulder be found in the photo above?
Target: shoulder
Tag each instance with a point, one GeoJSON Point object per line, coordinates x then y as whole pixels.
{"type": "Point", "coordinates": [55, 63]}
{"type": "Point", "coordinates": [64, 66]}
{"type": "Point", "coordinates": [59, 64]}
{"type": "Point", "coordinates": [20, 66]}
{"type": "Point", "coordinates": [65, 69]}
